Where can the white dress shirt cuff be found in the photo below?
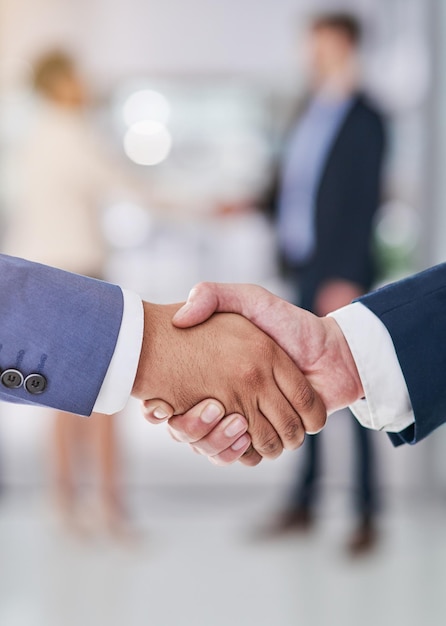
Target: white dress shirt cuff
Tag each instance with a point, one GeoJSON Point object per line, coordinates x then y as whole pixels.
{"type": "Point", "coordinates": [121, 373]}
{"type": "Point", "coordinates": [387, 403]}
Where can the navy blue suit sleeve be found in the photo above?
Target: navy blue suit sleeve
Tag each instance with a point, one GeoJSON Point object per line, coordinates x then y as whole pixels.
{"type": "Point", "coordinates": [414, 312]}
{"type": "Point", "coordinates": [60, 325]}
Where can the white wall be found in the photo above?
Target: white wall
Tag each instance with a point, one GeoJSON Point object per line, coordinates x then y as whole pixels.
{"type": "Point", "coordinates": [163, 36]}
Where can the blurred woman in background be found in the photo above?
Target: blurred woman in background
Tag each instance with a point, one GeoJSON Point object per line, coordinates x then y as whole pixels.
{"type": "Point", "coordinates": [65, 176]}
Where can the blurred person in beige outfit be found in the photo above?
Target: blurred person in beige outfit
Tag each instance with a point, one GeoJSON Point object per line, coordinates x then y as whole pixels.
{"type": "Point", "coordinates": [65, 174]}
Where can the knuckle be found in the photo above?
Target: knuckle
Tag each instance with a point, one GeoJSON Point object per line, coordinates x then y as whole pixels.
{"type": "Point", "coordinates": [227, 457]}
{"type": "Point", "coordinates": [321, 419]}
{"type": "Point", "coordinates": [253, 377]}
{"type": "Point", "coordinates": [251, 458]}
{"type": "Point", "coordinates": [208, 448]}
{"type": "Point", "coordinates": [270, 447]}
{"type": "Point", "coordinates": [261, 293]}
{"type": "Point", "coordinates": [304, 397]}
{"type": "Point", "coordinates": [199, 448]}
{"type": "Point", "coordinates": [202, 286]}
{"type": "Point", "coordinates": [293, 434]}
{"type": "Point", "coordinates": [297, 440]}
{"type": "Point", "coordinates": [317, 423]}
{"type": "Point", "coordinates": [173, 434]}
{"type": "Point", "coordinates": [182, 431]}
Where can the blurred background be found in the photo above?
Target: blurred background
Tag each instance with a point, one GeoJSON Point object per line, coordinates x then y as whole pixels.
{"type": "Point", "coordinates": [192, 101]}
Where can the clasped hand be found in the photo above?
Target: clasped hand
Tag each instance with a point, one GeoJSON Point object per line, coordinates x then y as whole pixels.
{"type": "Point", "coordinates": [246, 386]}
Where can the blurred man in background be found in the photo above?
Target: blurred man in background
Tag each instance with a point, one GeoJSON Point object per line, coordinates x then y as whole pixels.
{"type": "Point", "coordinates": [65, 176]}
{"type": "Point", "coordinates": [328, 192]}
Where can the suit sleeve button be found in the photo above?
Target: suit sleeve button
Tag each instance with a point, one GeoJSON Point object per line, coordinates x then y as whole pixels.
{"type": "Point", "coordinates": [35, 383]}
{"type": "Point", "coordinates": [13, 379]}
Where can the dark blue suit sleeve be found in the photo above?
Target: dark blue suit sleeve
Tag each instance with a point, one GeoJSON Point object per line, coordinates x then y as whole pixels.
{"type": "Point", "coordinates": [61, 326]}
{"type": "Point", "coordinates": [414, 312]}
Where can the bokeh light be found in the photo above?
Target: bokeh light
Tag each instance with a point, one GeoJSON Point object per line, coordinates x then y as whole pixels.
{"type": "Point", "coordinates": [146, 104]}
{"type": "Point", "coordinates": [398, 226]}
{"type": "Point", "coordinates": [405, 82]}
{"type": "Point", "coordinates": [147, 142]}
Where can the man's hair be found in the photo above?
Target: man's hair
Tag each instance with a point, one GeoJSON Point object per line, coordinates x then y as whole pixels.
{"type": "Point", "coordinates": [345, 23]}
{"type": "Point", "coordinates": [49, 68]}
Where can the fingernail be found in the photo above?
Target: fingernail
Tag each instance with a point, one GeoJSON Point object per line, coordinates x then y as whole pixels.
{"type": "Point", "coordinates": [240, 443]}
{"type": "Point", "coordinates": [210, 413]}
{"type": "Point", "coordinates": [160, 413]}
{"type": "Point", "coordinates": [235, 427]}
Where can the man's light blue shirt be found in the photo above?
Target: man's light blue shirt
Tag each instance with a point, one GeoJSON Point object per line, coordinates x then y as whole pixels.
{"type": "Point", "coordinates": [308, 149]}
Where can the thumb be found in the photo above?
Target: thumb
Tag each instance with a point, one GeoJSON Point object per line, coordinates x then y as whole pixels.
{"type": "Point", "coordinates": [201, 304]}
{"type": "Point", "coordinates": [205, 299]}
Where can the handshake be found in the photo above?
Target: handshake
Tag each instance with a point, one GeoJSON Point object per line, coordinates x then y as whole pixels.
{"type": "Point", "coordinates": [241, 374]}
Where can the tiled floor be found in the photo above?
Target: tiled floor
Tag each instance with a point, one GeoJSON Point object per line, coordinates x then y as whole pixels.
{"type": "Point", "coordinates": [196, 565]}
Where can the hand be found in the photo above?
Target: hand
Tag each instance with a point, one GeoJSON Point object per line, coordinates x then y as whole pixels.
{"type": "Point", "coordinates": [207, 430]}
{"type": "Point", "coordinates": [227, 357]}
{"type": "Point", "coordinates": [316, 345]}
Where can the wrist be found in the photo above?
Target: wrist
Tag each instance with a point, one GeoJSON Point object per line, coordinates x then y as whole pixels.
{"type": "Point", "coordinates": [139, 389]}
{"type": "Point", "coordinates": [158, 351]}
{"type": "Point", "coordinates": [343, 383]}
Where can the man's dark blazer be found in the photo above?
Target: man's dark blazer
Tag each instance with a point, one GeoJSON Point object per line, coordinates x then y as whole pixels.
{"type": "Point", "coordinates": [414, 313]}
{"type": "Point", "coordinates": [347, 199]}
